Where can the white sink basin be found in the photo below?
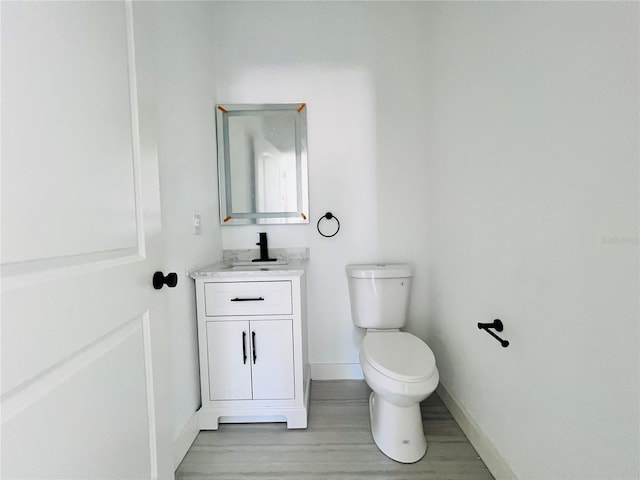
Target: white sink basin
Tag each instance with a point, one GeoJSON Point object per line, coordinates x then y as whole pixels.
{"type": "Point", "coordinates": [256, 266]}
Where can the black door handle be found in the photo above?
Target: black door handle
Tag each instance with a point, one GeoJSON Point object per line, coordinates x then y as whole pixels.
{"type": "Point", "coordinates": [159, 279]}
{"type": "Point", "coordinates": [244, 348]}
{"type": "Point", "coordinates": [256, 299]}
{"type": "Point", "coordinates": [253, 345]}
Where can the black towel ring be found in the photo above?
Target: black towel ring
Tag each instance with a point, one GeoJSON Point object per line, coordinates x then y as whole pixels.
{"type": "Point", "coordinates": [328, 216]}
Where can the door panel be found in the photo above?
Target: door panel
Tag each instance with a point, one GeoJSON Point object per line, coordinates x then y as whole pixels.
{"type": "Point", "coordinates": [84, 347]}
{"type": "Point", "coordinates": [229, 373]}
{"type": "Point", "coordinates": [79, 404]}
{"type": "Point", "coordinates": [272, 371]}
{"type": "Point", "coordinates": [52, 320]}
{"type": "Point", "coordinates": [70, 118]}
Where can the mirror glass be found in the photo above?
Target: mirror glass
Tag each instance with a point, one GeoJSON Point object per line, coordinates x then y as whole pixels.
{"type": "Point", "coordinates": [262, 164]}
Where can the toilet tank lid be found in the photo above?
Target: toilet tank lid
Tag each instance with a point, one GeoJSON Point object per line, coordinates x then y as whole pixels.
{"type": "Point", "coordinates": [381, 270]}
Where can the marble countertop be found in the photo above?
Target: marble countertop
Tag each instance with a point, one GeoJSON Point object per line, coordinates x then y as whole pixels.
{"type": "Point", "coordinates": [250, 269]}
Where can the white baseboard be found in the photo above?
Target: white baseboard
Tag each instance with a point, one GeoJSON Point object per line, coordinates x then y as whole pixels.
{"type": "Point", "coordinates": [490, 456]}
{"type": "Point", "coordinates": [184, 439]}
{"type": "Point", "coordinates": [336, 371]}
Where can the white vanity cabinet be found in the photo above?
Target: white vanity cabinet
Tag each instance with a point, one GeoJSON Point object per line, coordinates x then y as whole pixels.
{"type": "Point", "coordinates": [252, 346]}
{"type": "Point", "coordinates": [250, 360]}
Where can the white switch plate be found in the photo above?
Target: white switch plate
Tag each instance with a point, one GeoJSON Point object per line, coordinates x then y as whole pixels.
{"type": "Point", "coordinates": [197, 228]}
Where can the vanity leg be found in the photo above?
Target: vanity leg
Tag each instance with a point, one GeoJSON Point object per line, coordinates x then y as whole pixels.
{"type": "Point", "coordinates": [297, 419]}
{"type": "Point", "coordinates": [208, 420]}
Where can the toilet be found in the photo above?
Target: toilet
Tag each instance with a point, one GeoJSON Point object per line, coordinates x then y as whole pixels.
{"type": "Point", "coordinates": [398, 366]}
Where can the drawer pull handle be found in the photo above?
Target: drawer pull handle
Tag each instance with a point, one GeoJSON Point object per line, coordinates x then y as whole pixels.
{"type": "Point", "coordinates": [253, 344]}
{"type": "Point", "coordinates": [257, 299]}
{"type": "Point", "coordinates": [244, 348]}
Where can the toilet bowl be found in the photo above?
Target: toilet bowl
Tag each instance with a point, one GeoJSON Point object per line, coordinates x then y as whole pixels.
{"type": "Point", "coordinates": [398, 366]}
{"type": "Point", "coordinates": [400, 369]}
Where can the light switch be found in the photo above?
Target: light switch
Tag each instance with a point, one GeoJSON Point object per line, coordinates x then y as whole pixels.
{"type": "Point", "coordinates": [197, 229]}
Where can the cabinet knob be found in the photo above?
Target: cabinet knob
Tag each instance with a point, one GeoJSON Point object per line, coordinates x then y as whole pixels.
{"type": "Point", "coordinates": [159, 279]}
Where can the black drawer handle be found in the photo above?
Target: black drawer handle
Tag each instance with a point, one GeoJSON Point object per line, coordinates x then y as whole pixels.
{"type": "Point", "coordinates": [258, 299]}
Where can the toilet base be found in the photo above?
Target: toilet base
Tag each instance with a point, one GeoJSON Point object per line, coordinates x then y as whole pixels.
{"type": "Point", "coordinates": [397, 431]}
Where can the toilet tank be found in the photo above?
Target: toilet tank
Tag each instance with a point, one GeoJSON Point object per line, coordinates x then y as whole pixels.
{"type": "Point", "coordinates": [379, 294]}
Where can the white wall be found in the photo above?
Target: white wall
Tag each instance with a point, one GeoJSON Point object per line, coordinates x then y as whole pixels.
{"type": "Point", "coordinates": [185, 84]}
{"type": "Point", "coordinates": [493, 145]}
{"type": "Point", "coordinates": [533, 219]}
{"type": "Point", "coordinates": [363, 134]}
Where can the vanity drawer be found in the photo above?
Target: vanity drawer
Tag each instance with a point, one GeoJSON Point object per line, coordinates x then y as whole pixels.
{"type": "Point", "coordinates": [247, 298]}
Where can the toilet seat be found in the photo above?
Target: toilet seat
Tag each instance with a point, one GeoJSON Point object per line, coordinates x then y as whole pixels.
{"type": "Point", "coordinates": [399, 355]}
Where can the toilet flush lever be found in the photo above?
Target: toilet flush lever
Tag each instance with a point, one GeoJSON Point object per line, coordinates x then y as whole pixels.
{"type": "Point", "coordinates": [498, 327]}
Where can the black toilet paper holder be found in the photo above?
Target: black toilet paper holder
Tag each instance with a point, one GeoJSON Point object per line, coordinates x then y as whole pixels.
{"type": "Point", "coordinates": [498, 327]}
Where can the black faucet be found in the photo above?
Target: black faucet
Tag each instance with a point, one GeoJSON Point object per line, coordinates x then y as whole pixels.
{"type": "Point", "coordinates": [264, 249]}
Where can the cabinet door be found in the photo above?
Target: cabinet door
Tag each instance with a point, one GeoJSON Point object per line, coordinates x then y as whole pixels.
{"type": "Point", "coordinates": [272, 344]}
{"type": "Point", "coordinates": [229, 360]}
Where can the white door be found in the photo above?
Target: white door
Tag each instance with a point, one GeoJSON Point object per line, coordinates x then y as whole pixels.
{"type": "Point", "coordinates": [272, 358]}
{"type": "Point", "coordinates": [84, 355]}
{"type": "Point", "coordinates": [229, 360]}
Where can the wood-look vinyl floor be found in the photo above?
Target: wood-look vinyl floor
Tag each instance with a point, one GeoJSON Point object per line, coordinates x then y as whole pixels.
{"type": "Point", "coordinates": [336, 445]}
